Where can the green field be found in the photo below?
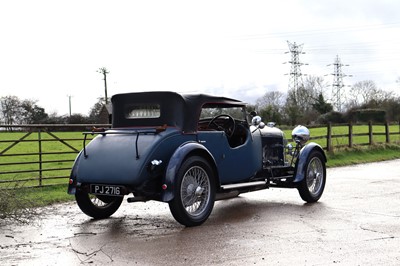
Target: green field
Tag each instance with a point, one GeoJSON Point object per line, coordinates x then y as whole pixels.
{"type": "Point", "coordinates": [57, 192]}
{"type": "Point", "coordinates": [25, 157]}
{"type": "Point", "coordinates": [56, 167]}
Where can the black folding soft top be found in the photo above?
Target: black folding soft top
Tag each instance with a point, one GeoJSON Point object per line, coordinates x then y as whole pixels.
{"type": "Point", "coordinates": [177, 110]}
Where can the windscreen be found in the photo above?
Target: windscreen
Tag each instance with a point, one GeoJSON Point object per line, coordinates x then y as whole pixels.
{"type": "Point", "coordinates": [237, 112]}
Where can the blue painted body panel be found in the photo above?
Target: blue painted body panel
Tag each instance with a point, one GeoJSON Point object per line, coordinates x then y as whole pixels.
{"type": "Point", "coordinates": [112, 158]}
{"type": "Point", "coordinates": [236, 164]}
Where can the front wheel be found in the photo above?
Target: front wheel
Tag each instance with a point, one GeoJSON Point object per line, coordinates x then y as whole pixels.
{"type": "Point", "coordinates": [313, 184]}
{"type": "Point", "coordinates": [97, 207]}
{"type": "Point", "coordinates": [194, 193]}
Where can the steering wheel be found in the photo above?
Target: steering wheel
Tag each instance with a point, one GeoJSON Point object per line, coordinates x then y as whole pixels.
{"type": "Point", "coordinates": [228, 126]}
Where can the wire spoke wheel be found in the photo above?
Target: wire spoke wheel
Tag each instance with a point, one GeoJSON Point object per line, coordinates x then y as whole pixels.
{"type": "Point", "coordinates": [315, 175]}
{"type": "Point", "coordinates": [98, 207]}
{"type": "Point", "coordinates": [313, 184]}
{"type": "Point", "coordinates": [194, 192]}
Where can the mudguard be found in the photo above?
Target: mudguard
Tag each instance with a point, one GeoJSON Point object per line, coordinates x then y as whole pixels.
{"type": "Point", "coordinates": [302, 160]}
{"type": "Point", "coordinates": [72, 183]}
{"type": "Point", "coordinates": [175, 163]}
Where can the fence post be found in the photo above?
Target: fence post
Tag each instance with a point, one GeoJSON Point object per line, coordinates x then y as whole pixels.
{"type": "Point", "coordinates": [329, 138]}
{"type": "Point", "coordinates": [40, 156]}
{"type": "Point", "coordinates": [350, 135]}
{"type": "Point", "coordinates": [370, 135]}
{"type": "Point", "coordinates": [387, 132]}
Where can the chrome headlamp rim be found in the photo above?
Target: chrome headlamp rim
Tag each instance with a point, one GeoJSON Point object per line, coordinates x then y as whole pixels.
{"type": "Point", "coordinates": [301, 134]}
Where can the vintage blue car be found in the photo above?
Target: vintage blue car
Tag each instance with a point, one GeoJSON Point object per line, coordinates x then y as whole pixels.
{"type": "Point", "coordinates": [189, 151]}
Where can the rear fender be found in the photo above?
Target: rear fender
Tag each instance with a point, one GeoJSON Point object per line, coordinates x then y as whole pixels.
{"type": "Point", "coordinates": [302, 160]}
{"type": "Point", "coordinates": [72, 180]}
{"type": "Point", "coordinates": [175, 163]}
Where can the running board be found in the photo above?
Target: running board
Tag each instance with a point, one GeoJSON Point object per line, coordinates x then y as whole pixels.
{"type": "Point", "coordinates": [227, 195]}
{"type": "Point", "coordinates": [244, 185]}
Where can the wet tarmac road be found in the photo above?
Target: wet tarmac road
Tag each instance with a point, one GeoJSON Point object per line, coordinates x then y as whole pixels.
{"type": "Point", "coordinates": [356, 222]}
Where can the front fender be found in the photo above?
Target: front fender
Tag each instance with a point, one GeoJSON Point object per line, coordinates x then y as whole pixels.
{"type": "Point", "coordinates": [175, 163]}
{"type": "Point", "coordinates": [302, 160]}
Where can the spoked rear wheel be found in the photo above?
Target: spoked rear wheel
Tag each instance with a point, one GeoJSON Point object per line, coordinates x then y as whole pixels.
{"type": "Point", "coordinates": [194, 192]}
{"type": "Point", "coordinates": [98, 207]}
{"type": "Point", "coordinates": [313, 184]}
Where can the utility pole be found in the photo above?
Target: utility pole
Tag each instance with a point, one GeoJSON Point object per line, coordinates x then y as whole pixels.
{"type": "Point", "coordinates": [295, 80]}
{"type": "Point", "coordinates": [104, 71]}
{"type": "Point", "coordinates": [337, 85]}
{"type": "Point", "coordinates": [69, 102]}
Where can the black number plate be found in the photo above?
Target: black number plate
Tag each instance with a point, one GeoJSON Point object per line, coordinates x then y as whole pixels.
{"type": "Point", "coordinates": [110, 190]}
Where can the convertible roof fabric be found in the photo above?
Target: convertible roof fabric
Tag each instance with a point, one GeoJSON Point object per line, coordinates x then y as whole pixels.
{"type": "Point", "coordinates": [177, 110]}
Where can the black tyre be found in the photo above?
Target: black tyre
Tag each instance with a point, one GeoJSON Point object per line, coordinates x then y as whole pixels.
{"type": "Point", "coordinates": [313, 184]}
{"type": "Point", "coordinates": [97, 207]}
{"type": "Point", "coordinates": [194, 192]}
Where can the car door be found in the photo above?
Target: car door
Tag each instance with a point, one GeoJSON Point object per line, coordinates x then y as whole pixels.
{"type": "Point", "coordinates": [234, 164]}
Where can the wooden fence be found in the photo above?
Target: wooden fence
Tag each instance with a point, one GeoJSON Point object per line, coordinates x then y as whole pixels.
{"type": "Point", "coordinates": [42, 155]}
{"type": "Point", "coordinates": [390, 132]}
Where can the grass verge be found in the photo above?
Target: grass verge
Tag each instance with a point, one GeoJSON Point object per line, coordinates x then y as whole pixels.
{"type": "Point", "coordinates": [46, 195]}
{"type": "Point", "coordinates": [363, 154]}
{"type": "Point", "coordinates": [20, 204]}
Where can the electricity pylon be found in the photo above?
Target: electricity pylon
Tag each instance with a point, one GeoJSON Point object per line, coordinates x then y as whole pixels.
{"type": "Point", "coordinates": [295, 80]}
{"type": "Point", "coordinates": [338, 92]}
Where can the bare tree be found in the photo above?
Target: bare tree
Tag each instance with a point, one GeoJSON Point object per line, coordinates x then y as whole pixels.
{"type": "Point", "coordinates": [366, 92]}
{"type": "Point", "coordinates": [271, 98]}
{"type": "Point", "coordinates": [15, 111]}
{"type": "Point", "coordinates": [10, 107]}
{"type": "Point", "coordinates": [270, 106]}
{"type": "Point", "coordinates": [306, 95]}
{"type": "Point", "coordinates": [300, 104]}
{"type": "Point", "coordinates": [317, 85]}
{"type": "Point", "coordinates": [363, 91]}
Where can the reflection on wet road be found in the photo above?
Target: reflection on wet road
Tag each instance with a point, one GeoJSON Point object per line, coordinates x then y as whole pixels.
{"type": "Point", "coordinates": [356, 222]}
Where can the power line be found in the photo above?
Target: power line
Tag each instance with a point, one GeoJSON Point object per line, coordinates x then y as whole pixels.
{"type": "Point", "coordinates": [326, 31]}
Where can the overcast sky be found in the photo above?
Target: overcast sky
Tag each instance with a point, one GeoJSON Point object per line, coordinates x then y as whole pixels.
{"type": "Point", "coordinates": [52, 49]}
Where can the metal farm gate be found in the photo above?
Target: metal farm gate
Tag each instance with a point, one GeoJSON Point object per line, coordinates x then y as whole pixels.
{"type": "Point", "coordinates": [39, 155]}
